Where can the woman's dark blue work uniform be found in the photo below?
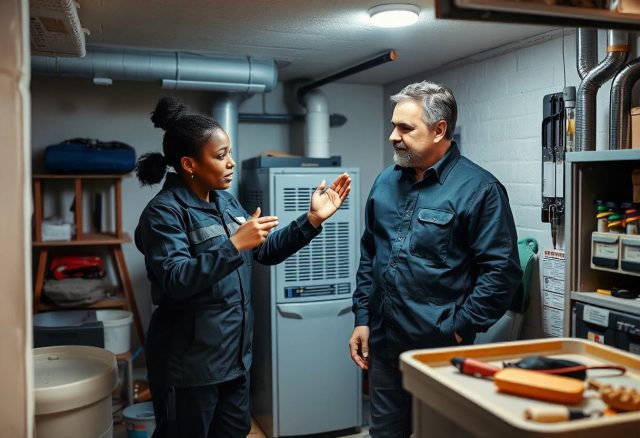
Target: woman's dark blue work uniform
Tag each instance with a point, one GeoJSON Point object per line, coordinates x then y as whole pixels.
{"type": "Point", "coordinates": [198, 346]}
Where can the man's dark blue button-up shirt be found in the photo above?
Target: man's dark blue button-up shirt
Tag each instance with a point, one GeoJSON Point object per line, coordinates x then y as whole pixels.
{"type": "Point", "coordinates": [438, 256]}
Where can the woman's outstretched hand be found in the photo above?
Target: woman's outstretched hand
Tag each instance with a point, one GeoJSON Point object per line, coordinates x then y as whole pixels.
{"type": "Point", "coordinates": [254, 231]}
{"type": "Point", "coordinates": [326, 201]}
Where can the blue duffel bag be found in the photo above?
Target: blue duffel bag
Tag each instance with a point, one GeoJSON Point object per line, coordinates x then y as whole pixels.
{"type": "Point", "coordinates": [83, 155]}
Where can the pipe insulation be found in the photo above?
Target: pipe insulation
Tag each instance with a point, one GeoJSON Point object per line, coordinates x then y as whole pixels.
{"type": "Point", "coordinates": [617, 51]}
{"type": "Point", "coordinates": [316, 141]}
{"type": "Point", "coordinates": [175, 70]}
{"type": "Point", "coordinates": [620, 105]}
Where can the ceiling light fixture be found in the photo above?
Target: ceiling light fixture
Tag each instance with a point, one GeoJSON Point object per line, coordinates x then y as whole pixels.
{"type": "Point", "coordinates": [394, 15]}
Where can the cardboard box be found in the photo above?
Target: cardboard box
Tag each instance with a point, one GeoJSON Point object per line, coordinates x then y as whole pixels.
{"type": "Point", "coordinates": [635, 180]}
{"type": "Point", "coordinates": [635, 128]}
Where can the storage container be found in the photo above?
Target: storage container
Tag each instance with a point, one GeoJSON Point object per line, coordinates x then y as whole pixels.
{"type": "Point", "coordinates": [140, 420]}
{"type": "Point", "coordinates": [72, 391]}
{"type": "Point", "coordinates": [116, 325]}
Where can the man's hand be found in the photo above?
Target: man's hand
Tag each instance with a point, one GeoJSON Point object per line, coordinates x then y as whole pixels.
{"type": "Point", "coordinates": [254, 231]}
{"type": "Point", "coordinates": [324, 203]}
{"type": "Point", "coordinates": [359, 346]}
{"type": "Point", "coordinates": [458, 338]}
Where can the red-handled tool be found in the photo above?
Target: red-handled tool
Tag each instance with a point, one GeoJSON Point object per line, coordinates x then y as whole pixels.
{"type": "Point", "coordinates": [474, 367]}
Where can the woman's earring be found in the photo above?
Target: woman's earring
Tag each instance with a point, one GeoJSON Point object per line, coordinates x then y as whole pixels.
{"type": "Point", "coordinates": [192, 175]}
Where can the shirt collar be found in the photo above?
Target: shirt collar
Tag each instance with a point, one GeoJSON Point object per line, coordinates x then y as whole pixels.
{"type": "Point", "coordinates": [441, 168]}
{"type": "Point", "coordinates": [174, 183]}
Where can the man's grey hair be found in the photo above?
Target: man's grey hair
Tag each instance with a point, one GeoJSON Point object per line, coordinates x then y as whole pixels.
{"type": "Point", "coordinates": [437, 102]}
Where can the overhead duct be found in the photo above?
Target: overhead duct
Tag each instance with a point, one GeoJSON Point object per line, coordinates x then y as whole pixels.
{"type": "Point", "coordinates": [316, 138]}
{"type": "Point", "coordinates": [620, 105]}
{"type": "Point", "coordinates": [618, 49]}
{"type": "Point", "coordinates": [174, 70]}
{"type": "Point", "coordinates": [225, 112]}
{"type": "Point", "coordinates": [317, 119]}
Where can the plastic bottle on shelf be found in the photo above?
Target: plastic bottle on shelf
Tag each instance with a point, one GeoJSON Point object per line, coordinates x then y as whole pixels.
{"type": "Point", "coordinates": [569, 98]}
{"type": "Point", "coordinates": [602, 216]}
{"type": "Point", "coordinates": [631, 217]}
{"type": "Point", "coordinates": [616, 218]}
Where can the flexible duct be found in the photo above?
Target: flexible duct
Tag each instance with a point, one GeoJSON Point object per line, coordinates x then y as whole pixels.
{"type": "Point", "coordinates": [316, 141]}
{"type": "Point", "coordinates": [175, 70]}
{"type": "Point", "coordinates": [620, 105]}
{"type": "Point", "coordinates": [618, 50]}
{"type": "Point", "coordinates": [586, 50]}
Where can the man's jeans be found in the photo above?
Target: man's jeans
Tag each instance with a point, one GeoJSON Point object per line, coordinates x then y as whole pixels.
{"type": "Point", "coordinates": [390, 404]}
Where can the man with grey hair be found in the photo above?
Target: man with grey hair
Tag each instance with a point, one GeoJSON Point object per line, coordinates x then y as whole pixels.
{"type": "Point", "coordinates": [439, 259]}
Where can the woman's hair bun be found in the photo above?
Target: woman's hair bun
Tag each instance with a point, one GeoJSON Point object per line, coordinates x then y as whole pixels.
{"type": "Point", "coordinates": [150, 168]}
{"type": "Point", "coordinates": [168, 110]}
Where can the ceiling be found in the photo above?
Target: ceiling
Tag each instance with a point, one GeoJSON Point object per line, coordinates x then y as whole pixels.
{"type": "Point", "coordinates": [310, 39]}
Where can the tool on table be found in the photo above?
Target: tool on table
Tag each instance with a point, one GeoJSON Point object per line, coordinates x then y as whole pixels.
{"type": "Point", "coordinates": [563, 367]}
{"type": "Point", "coordinates": [619, 398]}
{"type": "Point", "coordinates": [556, 414]}
{"type": "Point", "coordinates": [540, 364]}
{"type": "Point", "coordinates": [474, 367]}
{"type": "Point", "coordinates": [537, 385]}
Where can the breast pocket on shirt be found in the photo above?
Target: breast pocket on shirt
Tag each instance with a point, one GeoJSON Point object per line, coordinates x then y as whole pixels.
{"type": "Point", "coordinates": [431, 234]}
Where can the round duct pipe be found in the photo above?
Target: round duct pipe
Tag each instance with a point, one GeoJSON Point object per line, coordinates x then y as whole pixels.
{"type": "Point", "coordinates": [620, 105]}
{"type": "Point", "coordinates": [316, 141]}
{"type": "Point", "coordinates": [225, 111]}
{"type": "Point", "coordinates": [174, 70]}
{"type": "Point", "coordinates": [617, 51]}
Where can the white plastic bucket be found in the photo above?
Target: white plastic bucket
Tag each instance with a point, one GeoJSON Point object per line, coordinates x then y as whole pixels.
{"type": "Point", "coordinates": [140, 420]}
{"type": "Point", "coordinates": [116, 324]}
{"type": "Point", "coordinates": [72, 391]}
{"type": "Point", "coordinates": [117, 329]}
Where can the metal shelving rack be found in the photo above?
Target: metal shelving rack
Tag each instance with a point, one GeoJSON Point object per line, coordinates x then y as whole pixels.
{"type": "Point", "coordinates": [592, 175]}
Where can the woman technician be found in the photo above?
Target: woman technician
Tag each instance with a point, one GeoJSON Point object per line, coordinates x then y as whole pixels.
{"type": "Point", "coordinates": [198, 244]}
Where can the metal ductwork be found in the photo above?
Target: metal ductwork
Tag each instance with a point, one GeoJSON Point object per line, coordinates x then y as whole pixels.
{"type": "Point", "coordinates": [225, 111]}
{"type": "Point", "coordinates": [618, 49]}
{"type": "Point", "coordinates": [315, 103]}
{"type": "Point", "coordinates": [620, 105]}
{"type": "Point", "coordinates": [586, 50]}
{"type": "Point", "coordinates": [175, 70]}
{"type": "Point", "coordinates": [316, 140]}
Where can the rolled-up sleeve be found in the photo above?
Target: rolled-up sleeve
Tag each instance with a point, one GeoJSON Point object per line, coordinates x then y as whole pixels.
{"type": "Point", "coordinates": [493, 244]}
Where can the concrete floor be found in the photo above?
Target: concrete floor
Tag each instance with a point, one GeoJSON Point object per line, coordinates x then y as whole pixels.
{"type": "Point", "coordinates": [120, 431]}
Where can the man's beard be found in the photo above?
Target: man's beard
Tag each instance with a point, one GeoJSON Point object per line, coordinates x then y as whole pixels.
{"type": "Point", "coordinates": [404, 157]}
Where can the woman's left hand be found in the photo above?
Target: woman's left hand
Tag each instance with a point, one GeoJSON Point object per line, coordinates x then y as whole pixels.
{"type": "Point", "coordinates": [324, 203]}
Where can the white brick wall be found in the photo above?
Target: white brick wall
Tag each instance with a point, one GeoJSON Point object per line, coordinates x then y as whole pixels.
{"type": "Point", "coordinates": [500, 112]}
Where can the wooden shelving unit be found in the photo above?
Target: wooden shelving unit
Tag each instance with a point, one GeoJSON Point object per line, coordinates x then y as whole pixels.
{"type": "Point", "coordinates": [111, 241]}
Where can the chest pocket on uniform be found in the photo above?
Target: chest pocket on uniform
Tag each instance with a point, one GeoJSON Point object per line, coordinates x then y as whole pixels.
{"type": "Point", "coordinates": [233, 221]}
{"type": "Point", "coordinates": [431, 234]}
